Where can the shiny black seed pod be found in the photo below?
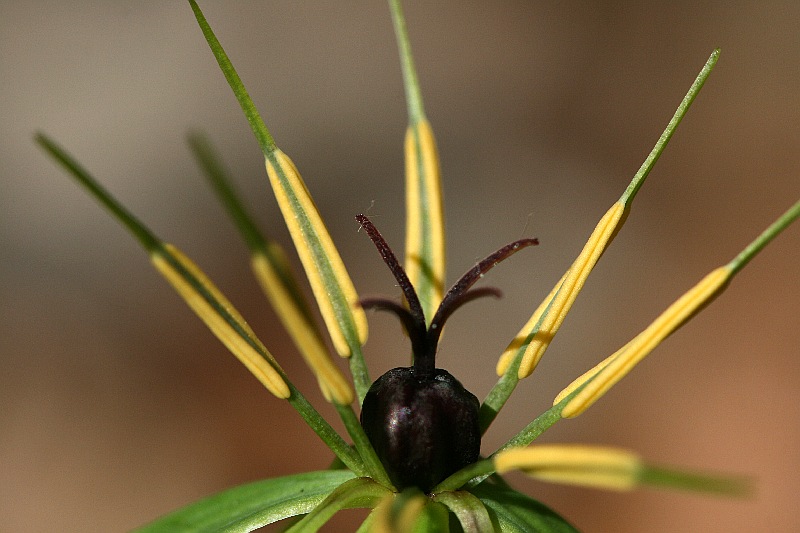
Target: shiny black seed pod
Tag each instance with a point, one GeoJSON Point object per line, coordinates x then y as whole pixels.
{"type": "Point", "coordinates": [424, 427]}
{"type": "Point", "coordinates": [421, 420]}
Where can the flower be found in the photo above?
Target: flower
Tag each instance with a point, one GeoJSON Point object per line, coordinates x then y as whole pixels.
{"type": "Point", "coordinates": [475, 494]}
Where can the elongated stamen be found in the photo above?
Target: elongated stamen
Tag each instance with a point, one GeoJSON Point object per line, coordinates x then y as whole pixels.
{"type": "Point", "coordinates": [207, 302]}
{"type": "Point", "coordinates": [607, 373]}
{"type": "Point", "coordinates": [595, 466]}
{"type": "Point", "coordinates": [271, 268]}
{"type": "Point", "coordinates": [214, 309]}
{"type": "Point", "coordinates": [425, 239]}
{"type": "Point", "coordinates": [534, 338]}
{"type": "Point", "coordinates": [571, 286]}
{"type": "Point", "coordinates": [325, 270]}
{"type": "Point", "coordinates": [609, 468]}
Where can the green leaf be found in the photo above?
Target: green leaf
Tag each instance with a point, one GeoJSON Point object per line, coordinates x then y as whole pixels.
{"type": "Point", "coordinates": [249, 507]}
{"type": "Point", "coordinates": [514, 512]}
{"type": "Point", "coordinates": [358, 492]}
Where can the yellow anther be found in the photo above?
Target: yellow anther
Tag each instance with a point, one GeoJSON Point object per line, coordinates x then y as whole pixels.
{"type": "Point", "coordinates": [220, 316]}
{"type": "Point", "coordinates": [334, 386]}
{"type": "Point", "coordinates": [511, 351]}
{"type": "Point", "coordinates": [321, 261]}
{"type": "Point", "coordinates": [570, 287]}
{"type": "Point", "coordinates": [425, 246]}
{"type": "Point", "coordinates": [577, 382]}
{"type": "Point", "coordinates": [644, 343]}
{"type": "Point", "coordinates": [591, 466]}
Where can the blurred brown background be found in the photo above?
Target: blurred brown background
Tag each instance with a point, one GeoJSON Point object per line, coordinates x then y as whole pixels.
{"type": "Point", "coordinates": [118, 405]}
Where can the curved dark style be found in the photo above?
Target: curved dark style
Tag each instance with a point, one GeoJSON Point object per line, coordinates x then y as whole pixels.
{"type": "Point", "coordinates": [421, 420]}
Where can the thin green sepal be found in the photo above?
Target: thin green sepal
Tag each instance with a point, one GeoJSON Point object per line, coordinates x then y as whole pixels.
{"type": "Point", "coordinates": [322, 263]}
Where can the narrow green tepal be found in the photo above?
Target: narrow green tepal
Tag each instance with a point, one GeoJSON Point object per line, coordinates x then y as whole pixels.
{"type": "Point", "coordinates": [330, 282]}
{"type": "Point", "coordinates": [600, 379]}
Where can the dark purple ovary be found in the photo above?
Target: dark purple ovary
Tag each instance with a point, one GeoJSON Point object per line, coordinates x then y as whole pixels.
{"type": "Point", "coordinates": [423, 426]}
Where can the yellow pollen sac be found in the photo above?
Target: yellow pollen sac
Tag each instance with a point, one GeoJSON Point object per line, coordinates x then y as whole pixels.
{"type": "Point", "coordinates": [332, 287]}
{"type": "Point", "coordinates": [589, 466]}
{"type": "Point", "coordinates": [220, 316]}
{"type": "Point", "coordinates": [334, 386]}
{"type": "Point", "coordinates": [564, 295]}
{"type": "Point", "coordinates": [511, 351]}
{"type": "Point", "coordinates": [425, 239]}
{"type": "Point", "coordinates": [577, 382]}
{"type": "Point", "coordinates": [619, 364]}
